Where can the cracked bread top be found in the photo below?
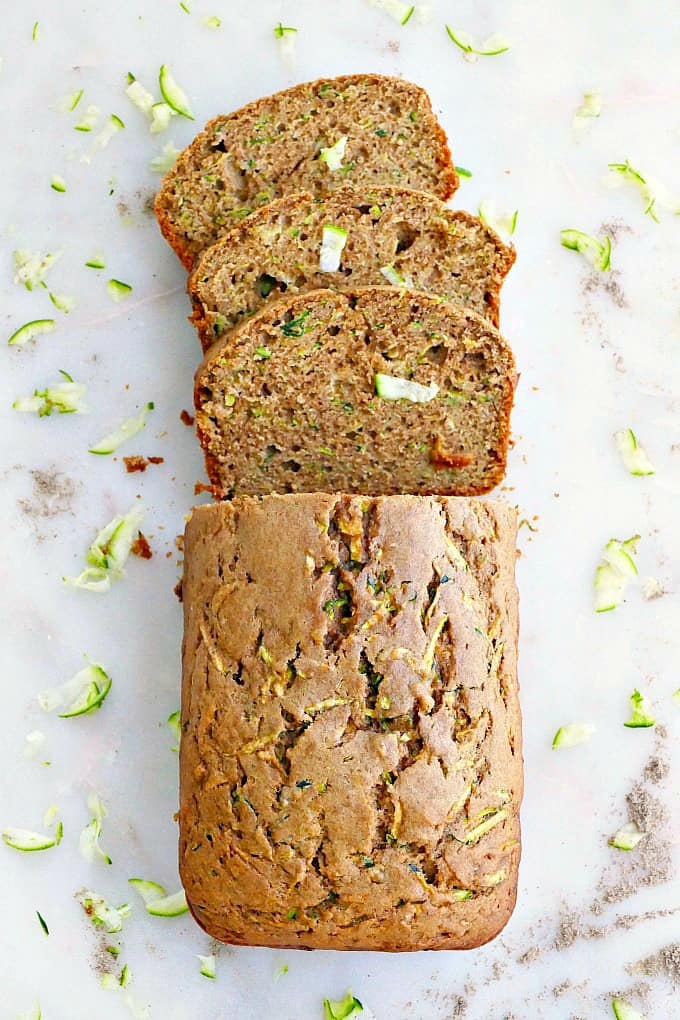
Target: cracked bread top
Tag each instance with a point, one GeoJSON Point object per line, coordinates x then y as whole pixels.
{"type": "Point", "coordinates": [273, 146]}
{"type": "Point", "coordinates": [351, 750]}
{"type": "Point", "coordinates": [291, 400]}
{"type": "Point", "coordinates": [388, 231]}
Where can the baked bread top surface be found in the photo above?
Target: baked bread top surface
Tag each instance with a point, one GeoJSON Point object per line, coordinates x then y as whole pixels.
{"type": "Point", "coordinates": [350, 759]}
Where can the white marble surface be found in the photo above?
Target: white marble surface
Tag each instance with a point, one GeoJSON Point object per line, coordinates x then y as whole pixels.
{"type": "Point", "coordinates": [588, 367]}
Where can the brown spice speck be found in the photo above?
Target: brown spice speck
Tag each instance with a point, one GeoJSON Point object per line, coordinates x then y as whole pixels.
{"type": "Point", "coordinates": [609, 283]}
{"type": "Point", "coordinates": [52, 494]}
{"type": "Point", "coordinates": [665, 964]}
{"type": "Point", "coordinates": [656, 770]}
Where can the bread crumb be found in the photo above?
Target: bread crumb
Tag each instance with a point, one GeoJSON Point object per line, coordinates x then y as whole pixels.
{"type": "Point", "coordinates": [140, 547]}
{"type": "Point", "coordinates": [137, 463]}
{"type": "Point", "coordinates": [186, 418]}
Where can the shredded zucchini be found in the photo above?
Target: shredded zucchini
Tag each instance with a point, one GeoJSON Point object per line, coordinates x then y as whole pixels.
{"type": "Point", "coordinates": [140, 97]}
{"type": "Point", "coordinates": [34, 743]}
{"type": "Point", "coordinates": [287, 40]}
{"type": "Point", "coordinates": [108, 554]}
{"type": "Point", "coordinates": [69, 102]}
{"type": "Point", "coordinates": [157, 902]}
{"type": "Point", "coordinates": [64, 398]}
{"type": "Point", "coordinates": [616, 569]}
{"type": "Point", "coordinates": [129, 428]}
{"type": "Point", "coordinates": [161, 115]}
{"type": "Point", "coordinates": [212, 21]}
{"type": "Point", "coordinates": [174, 722]}
{"type": "Point", "coordinates": [28, 841]}
{"type": "Point", "coordinates": [342, 1009]}
{"type": "Point", "coordinates": [333, 242]}
{"type": "Point", "coordinates": [572, 734]}
{"type": "Point", "coordinates": [398, 10]}
{"type": "Point", "coordinates": [173, 95]}
{"type": "Point", "coordinates": [598, 253]}
{"type": "Point", "coordinates": [110, 129]}
{"type": "Point", "coordinates": [31, 330]}
{"type": "Point", "coordinates": [492, 47]}
{"type": "Point", "coordinates": [640, 712]}
{"type": "Point", "coordinates": [58, 183]}
{"type": "Point", "coordinates": [634, 457]}
{"type": "Point", "coordinates": [624, 1011]}
{"type": "Point", "coordinates": [118, 291]}
{"type": "Point", "coordinates": [627, 837]}
{"type": "Point", "coordinates": [82, 694]}
{"type": "Point", "coordinates": [31, 268]}
{"type": "Point", "coordinates": [89, 120]}
{"type": "Point", "coordinates": [102, 913]}
{"type": "Point", "coordinates": [208, 966]}
{"type": "Point", "coordinates": [63, 302]}
{"type": "Point", "coordinates": [395, 279]}
{"type": "Point", "coordinates": [89, 838]}
{"type": "Point", "coordinates": [166, 160]}
{"type": "Point", "coordinates": [391, 387]}
{"type": "Point", "coordinates": [504, 223]}
{"type": "Point", "coordinates": [654, 194]}
{"type": "Point", "coordinates": [590, 108]}
{"type": "Point", "coordinates": [34, 1014]}
{"type": "Point", "coordinates": [333, 155]}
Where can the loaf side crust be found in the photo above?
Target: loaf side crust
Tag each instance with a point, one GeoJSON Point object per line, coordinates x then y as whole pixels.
{"type": "Point", "coordinates": [350, 764]}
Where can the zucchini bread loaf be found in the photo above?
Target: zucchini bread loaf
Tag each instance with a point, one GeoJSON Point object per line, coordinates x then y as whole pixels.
{"type": "Point", "coordinates": [365, 130]}
{"type": "Point", "coordinates": [351, 770]}
{"type": "Point", "coordinates": [375, 390]}
{"type": "Point", "coordinates": [345, 240]}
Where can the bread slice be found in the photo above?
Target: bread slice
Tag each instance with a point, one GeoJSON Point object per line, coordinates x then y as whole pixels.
{"type": "Point", "coordinates": [273, 147]}
{"type": "Point", "coordinates": [388, 231]}
{"type": "Point", "coordinates": [351, 761]}
{"type": "Point", "coordinates": [299, 397]}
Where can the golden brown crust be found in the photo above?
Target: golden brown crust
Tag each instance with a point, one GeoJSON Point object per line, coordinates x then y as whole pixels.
{"type": "Point", "coordinates": [439, 178]}
{"type": "Point", "coordinates": [350, 767]}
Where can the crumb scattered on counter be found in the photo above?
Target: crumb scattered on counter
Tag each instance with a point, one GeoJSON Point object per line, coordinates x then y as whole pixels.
{"type": "Point", "coordinates": [215, 491]}
{"type": "Point", "coordinates": [137, 463]}
{"type": "Point", "coordinates": [140, 547]}
{"type": "Point", "coordinates": [186, 418]}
